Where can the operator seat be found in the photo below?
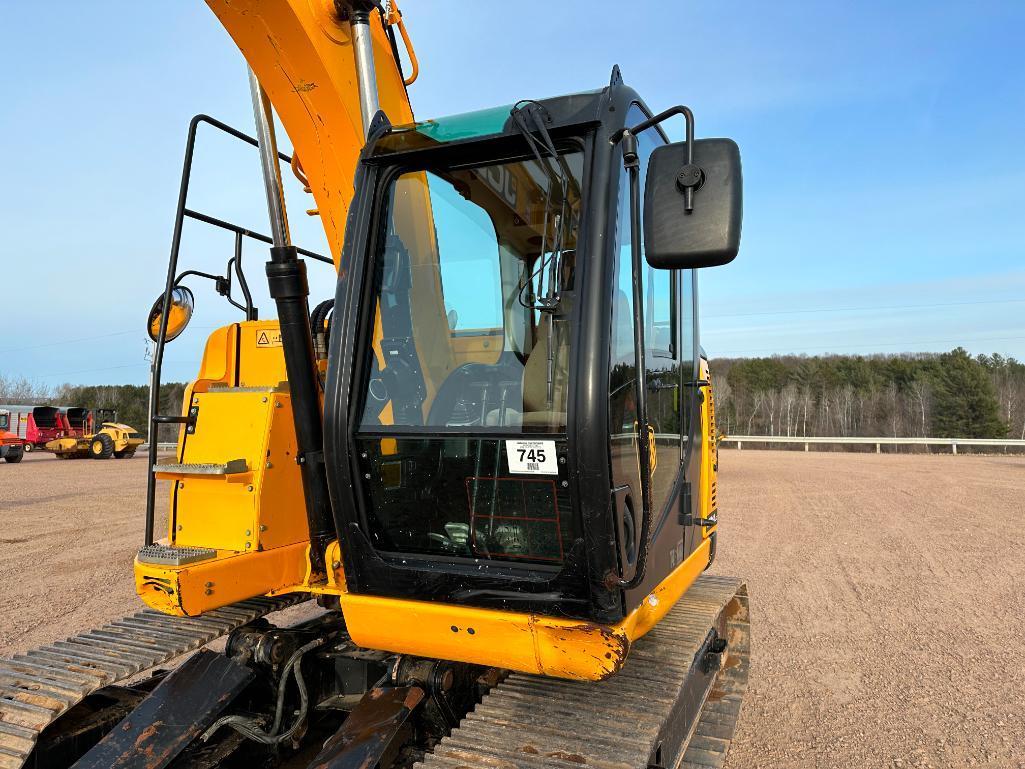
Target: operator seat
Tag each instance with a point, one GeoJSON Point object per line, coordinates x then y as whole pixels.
{"type": "Point", "coordinates": [536, 409]}
{"type": "Point", "coordinates": [479, 394]}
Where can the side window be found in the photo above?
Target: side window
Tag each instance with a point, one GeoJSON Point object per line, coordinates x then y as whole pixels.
{"type": "Point", "coordinates": [668, 335]}
{"type": "Point", "coordinates": [468, 252]}
{"type": "Point", "coordinates": [659, 311]}
{"type": "Point", "coordinates": [686, 305]}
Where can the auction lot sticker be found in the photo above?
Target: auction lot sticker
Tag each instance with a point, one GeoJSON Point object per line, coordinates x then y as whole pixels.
{"type": "Point", "coordinates": [532, 457]}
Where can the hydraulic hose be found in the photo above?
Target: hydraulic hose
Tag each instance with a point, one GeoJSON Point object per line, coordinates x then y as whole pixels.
{"type": "Point", "coordinates": [251, 727]}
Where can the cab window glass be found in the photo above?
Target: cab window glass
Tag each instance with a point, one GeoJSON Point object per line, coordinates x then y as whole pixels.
{"type": "Point", "coordinates": [468, 255]}
{"type": "Point", "coordinates": [475, 287]}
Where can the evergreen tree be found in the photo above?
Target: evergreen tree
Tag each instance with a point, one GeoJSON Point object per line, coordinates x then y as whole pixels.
{"type": "Point", "coordinates": [965, 400]}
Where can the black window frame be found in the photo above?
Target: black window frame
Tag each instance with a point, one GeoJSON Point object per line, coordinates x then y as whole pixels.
{"type": "Point", "coordinates": [580, 138]}
{"type": "Point", "coordinates": [373, 254]}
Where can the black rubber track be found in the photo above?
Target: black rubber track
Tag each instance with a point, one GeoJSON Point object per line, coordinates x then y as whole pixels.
{"type": "Point", "coordinates": [528, 721]}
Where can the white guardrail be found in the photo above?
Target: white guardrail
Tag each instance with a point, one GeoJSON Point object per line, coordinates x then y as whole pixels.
{"type": "Point", "coordinates": [879, 442]}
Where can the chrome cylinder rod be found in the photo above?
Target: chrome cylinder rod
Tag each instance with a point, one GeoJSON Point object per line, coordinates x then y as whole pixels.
{"type": "Point", "coordinates": [264, 120]}
{"type": "Point", "coordinates": [290, 290]}
{"type": "Point", "coordinates": [363, 50]}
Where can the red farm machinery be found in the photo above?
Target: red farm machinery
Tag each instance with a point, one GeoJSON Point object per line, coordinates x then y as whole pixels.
{"type": "Point", "coordinates": [36, 426]}
{"type": "Point", "coordinates": [12, 448]}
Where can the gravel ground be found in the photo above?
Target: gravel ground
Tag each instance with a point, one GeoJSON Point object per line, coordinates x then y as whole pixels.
{"type": "Point", "coordinates": [69, 530]}
{"type": "Point", "coordinates": [887, 595]}
{"type": "Point", "coordinates": [886, 599]}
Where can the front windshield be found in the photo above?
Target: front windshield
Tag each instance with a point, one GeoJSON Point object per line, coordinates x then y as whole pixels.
{"type": "Point", "coordinates": [474, 289]}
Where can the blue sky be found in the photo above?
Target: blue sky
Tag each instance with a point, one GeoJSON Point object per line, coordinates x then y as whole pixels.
{"type": "Point", "coordinates": [884, 172]}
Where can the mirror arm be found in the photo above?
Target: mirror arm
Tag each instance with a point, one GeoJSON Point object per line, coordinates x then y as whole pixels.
{"type": "Point", "coordinates": [231, 301]}
{"type": "Point", "coordinates": [690, 176]}
{"type": "Point", "coordinates": [223, 283]}
{"type": "Point", "coordinates": [197, 273]}
{"type": "Point", "coordinates": [250, 309]}
{"type": "Point", "coordinates": [631, 162]}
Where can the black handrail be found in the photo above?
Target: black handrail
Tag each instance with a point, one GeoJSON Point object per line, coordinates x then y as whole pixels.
{"type": "Point", "coordinates": [182, 212]}
{"type": "Point", "coordinates": [250, 233]}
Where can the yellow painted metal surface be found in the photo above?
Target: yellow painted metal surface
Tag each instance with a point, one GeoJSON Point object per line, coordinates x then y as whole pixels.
{"type": "Point", "coordinates": [708, 496]}
{"type": "Point", "coordinates": [193, 589]}
{"type": "Point", "coordinates": [531, 643]}
{"type": "Point", "coordinates": [260, 508]}
{"type": "Point", "coordinates": [484, 347]}
{"type": "Point", "coordinates": [218, 358]}
{"type": "Point", "coordinates": [255, 518]}
{"type": "Point", "coordinates": [262, 360]}
{"type": "Point", "coordinates": [302, 53]}
{"type": "Point", "coordinates": [247, 354]}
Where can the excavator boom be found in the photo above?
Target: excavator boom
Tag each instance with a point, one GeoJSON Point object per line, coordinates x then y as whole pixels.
{"type": "Point", "coordinates": [303, 53]}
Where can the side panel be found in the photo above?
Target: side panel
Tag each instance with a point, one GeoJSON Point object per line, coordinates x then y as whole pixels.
{"type": "Point", "coordinates": [709, 499]}
{"type": "Point", "coordinates": [531, 643]}
{"type": "Point", "coordinates": [247, 510]}
{"type": "Point", "coordinates": [235, 488]}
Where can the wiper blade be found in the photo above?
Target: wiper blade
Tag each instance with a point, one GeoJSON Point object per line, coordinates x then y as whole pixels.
{"type": "Point", "coordinates": [525, 113]}
{"type": "Point", "coordinates": [535, 112]}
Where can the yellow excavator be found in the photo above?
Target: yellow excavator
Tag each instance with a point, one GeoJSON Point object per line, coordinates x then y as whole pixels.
{"type": "Point", "coordinates": [490, 458]}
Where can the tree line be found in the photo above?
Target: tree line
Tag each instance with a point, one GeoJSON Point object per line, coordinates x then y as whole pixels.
{"type": "Point", "coordinates": [940, 395]}
{"type": "Point", "coordinates": [944, 395]}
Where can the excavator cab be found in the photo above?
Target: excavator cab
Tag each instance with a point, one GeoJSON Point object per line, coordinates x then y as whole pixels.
{"type": "Point", "coordinates": [514, 407]}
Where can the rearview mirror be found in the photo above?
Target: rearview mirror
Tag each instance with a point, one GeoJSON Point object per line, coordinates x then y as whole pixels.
{"type": "Point", "coordinates": [709, 234]}
{"type": "Point", "coordinates": [182, 304]}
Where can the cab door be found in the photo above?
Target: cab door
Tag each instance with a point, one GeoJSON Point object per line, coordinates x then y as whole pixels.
{"type": "Point", "coordinates": [670, 362]}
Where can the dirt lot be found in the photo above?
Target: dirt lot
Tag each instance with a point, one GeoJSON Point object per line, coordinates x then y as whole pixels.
{"type": "Point", "coordinates": [887, 595]}
{"type": "Point", "coordinates": [69, 530]}
{"type": "Point", "coordinates": [887, 598]}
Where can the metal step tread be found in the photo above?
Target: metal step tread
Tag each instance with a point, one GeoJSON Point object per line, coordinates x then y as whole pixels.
{"type": "Point", "coordinates": [216, 387]}
{"type": "Point", "coordinates": [231, 467]}
{"type": "Point", "coordinates": [40, 685]}
{"type": "Point", "coordinates": [529, 721]}
{"type": "Point", "coordinates": [168, 555]}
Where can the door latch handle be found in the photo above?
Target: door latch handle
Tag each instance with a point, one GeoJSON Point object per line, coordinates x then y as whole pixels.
{"type": "Point", "coordinates": [690, 520]}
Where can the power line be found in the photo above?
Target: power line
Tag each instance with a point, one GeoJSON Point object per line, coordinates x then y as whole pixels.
{"type": "Point", "coordinates": [875, 344]}
{"type": "Point", "coordinates": [865, 309]}
{"type": "Point", "coordinates": [92, 370]}
{"type": "Point", "coordinates": [89, 339]}
{"type": "Point", "coordinates": [67, 341]}
{"type": "Point", "coordinates": [115, 368]}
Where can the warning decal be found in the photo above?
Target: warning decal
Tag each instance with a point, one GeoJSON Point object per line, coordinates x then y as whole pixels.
{"type": "Point", "coordinates": [268, 339]}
